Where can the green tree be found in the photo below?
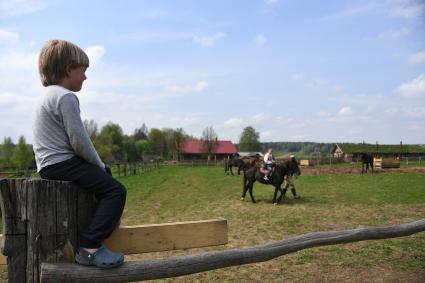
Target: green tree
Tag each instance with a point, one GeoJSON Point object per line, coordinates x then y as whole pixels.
{"type": "Point", "coordinates": [22, 157]}
{"type": "Point", "coordinates": [109, 143]}
{"type": "Point", "coordinates": [249, 140]}
{"type": "Point", "coordinates": [141, 133]}
{"type": "Point", "coordinates": [157, 143]}
{"type": "Point", "coordinates": [209, 140]}
{"type": "Point", "coordinates": [174, 139]}
{"type": "Point", "coordinates": [130, 150]}
{"type": "Point", "coordinates": [7, 150]}
{"type": "Point", "coordinates": [142, 147]}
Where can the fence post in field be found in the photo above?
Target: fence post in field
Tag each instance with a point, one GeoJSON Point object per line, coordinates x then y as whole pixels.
{"type": "Point", "coordinates": [119, 170]}
{"type": "Point", "coordinates": [41, 220]}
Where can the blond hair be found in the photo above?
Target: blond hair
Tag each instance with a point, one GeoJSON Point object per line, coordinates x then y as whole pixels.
{"type": "Point", "coordinates": [55, 55]}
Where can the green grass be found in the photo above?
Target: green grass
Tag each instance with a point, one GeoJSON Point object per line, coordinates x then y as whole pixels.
{"type": "Point", "coordinates": [332, 202]}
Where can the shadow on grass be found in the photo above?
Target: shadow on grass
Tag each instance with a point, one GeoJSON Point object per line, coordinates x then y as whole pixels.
{"type": "Point", "coordinates": [285, 201]}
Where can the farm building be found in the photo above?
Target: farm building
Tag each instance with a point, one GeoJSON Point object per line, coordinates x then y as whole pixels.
{"type": "Point", "coordinates": [194, 149]}
{"type": "Point", "coordinates": [352, 151]}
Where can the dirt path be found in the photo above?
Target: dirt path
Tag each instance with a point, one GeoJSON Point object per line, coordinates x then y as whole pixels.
{"type": "Point", "coordinates": [339, 170]}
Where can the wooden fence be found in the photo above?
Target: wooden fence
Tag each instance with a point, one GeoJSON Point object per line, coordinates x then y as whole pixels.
{"type": "Point", "coordinates": [133, 168]}
{"type": "Point", "coordinates": [183, 265]}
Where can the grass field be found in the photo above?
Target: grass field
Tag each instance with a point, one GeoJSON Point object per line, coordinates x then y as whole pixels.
{"type": "Point", "coordinates": [330, 202]}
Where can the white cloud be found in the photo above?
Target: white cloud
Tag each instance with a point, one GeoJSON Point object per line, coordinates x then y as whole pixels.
{"type": "Point", "coordinates": [8, 36]}
{"type": "Point", "coordinates": [417, 58]}
{"type": "Point", "coordinates": [353, 11]}
{"type": "Point", "coordinates": [409, 112]}
{"type": "Point", "coordinates": [414, 88]}
{"type": "Point", "coordinates": [345, 111]}
{"type": "Point", "coordinates": [154, 15]}
{"type": "Point", "coordinates": [271, 2]}
{"type": "Point", "coordinates": [233, 123]}
{"type": "Point", "coordinates": [407, 9]}
{"type": "Point", "coordinates": [338, 88]}
{"type": "Point", "coordinates": [394, 34]}
{"type": "Point", "coordinates": [258, 118]}
{"type": "Point", "coordinates": [297, 77]}
{"type": "Point", "coordinates": [324, 114]}
{"type": "Point", "coordinates": [19, 61]}
{"type": "Point", "coordinates": [208, 41]}
{"type": "Point", "coordinates": [11, 8]}
{"type": "Point", "coordinates": [266, 135]}
{"type": "Point", "coordinates": [260, 40]}
{"type": "Point", "coordinates": [201, 86]}
{"type": "Point", "coordinates": [185, 89]}
{"type": "Point", "coordinates": [95, 53]}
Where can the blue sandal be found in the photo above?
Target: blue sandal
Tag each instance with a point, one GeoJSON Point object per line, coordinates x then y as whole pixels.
{"type": "Point", "coordinates": [102, 258]}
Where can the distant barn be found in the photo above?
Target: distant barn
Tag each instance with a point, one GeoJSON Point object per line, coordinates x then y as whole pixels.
{"type": "Point", "coordinates": [352, 151]}
{"type": "Point", "coordinates": [194, 149]}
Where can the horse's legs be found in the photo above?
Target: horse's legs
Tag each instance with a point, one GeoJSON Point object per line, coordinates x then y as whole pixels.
{"type": "Point", "coordinates": [294, 192]}
{"type": "Point", "coordinates": [230, 169]}
{"type": "Point", "coordinates": [276, 188]}
{"type": "Point", "coordinates": [285, 189]}
{"type": "Point", "coordinates": [251, 186]}
{"type": "Point", "coordinates": [245, 188]}
{"type": "Point", "coordinates": [239, 170]}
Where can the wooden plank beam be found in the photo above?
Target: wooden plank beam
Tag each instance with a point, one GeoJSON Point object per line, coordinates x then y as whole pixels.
{"type": "Point", "coordinates": [168, 236]}
{"type": "Point", "coordinates": [164, 237]}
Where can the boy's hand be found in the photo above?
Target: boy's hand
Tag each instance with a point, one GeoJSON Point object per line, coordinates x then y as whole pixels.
{"type": "Point", "coordinates": [108, 170]}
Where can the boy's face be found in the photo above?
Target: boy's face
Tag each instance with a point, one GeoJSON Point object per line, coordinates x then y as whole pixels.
{"type": "Point", "coordinates": [75, 77]}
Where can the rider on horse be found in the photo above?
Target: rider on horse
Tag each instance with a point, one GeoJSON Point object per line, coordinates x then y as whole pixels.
{"type": "Point", "coordinates": [267, 163]}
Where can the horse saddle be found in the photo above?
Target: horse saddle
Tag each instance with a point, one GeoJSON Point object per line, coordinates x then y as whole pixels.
{"type": "Point", "coordinates": [264, 170]}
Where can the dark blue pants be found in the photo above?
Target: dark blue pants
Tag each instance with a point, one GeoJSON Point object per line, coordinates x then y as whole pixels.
{"type": "Point", "coordinates": [110, 195]}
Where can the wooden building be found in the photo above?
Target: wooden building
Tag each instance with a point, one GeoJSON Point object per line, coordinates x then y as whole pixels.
{"type": "Point", "coordinates": [352, 151]}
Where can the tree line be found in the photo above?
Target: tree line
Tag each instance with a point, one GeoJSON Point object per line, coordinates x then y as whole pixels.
{"type": "Point", "coordinates": [146, 144]}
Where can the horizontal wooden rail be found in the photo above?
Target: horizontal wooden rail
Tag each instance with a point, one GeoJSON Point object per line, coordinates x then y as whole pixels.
{"type": "Point", "coordinates": [183, 265]}
{"type": "Point", "coordinates": [164, 237]}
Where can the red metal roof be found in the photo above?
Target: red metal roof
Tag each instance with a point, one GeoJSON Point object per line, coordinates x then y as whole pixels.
{"type": "Point", "coordinates": [195, 147]}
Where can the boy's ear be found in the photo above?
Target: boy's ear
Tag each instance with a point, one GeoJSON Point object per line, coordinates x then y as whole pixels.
{"type": "Point", "coordinates": [68, 70]}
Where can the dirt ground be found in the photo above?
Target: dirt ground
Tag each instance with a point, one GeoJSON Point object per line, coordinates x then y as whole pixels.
{"type": "Point", "coordinates": [336, 170]}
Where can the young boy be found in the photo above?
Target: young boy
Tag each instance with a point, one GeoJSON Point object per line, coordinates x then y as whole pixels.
{"type": "Point", "coordinates": [64, 151]}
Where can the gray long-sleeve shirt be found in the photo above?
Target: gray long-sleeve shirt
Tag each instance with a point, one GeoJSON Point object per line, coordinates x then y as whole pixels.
{"type": "Point", "coordinates": [58, 131]}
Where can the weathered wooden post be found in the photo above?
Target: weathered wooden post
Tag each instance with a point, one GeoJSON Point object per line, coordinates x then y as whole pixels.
{"type": "Point", "coordinates": [41, 223]}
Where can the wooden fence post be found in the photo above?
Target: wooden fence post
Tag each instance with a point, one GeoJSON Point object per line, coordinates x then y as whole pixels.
{"type": "Point", "coordinates": [41, 223]}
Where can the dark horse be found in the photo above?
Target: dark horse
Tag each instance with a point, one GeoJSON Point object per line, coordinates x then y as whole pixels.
{"type": "Point", "coordinates": [233, 162]}
{"type": "Point", "coordinates": [243, 164]}
{"type": "Point", "coordinates": [286, 168]}
{"type": "Point", "coordinates": [367, 160]}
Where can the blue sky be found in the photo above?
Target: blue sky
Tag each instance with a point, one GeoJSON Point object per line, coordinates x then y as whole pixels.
{"type": "Point", "coordinates": [324, 71]}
